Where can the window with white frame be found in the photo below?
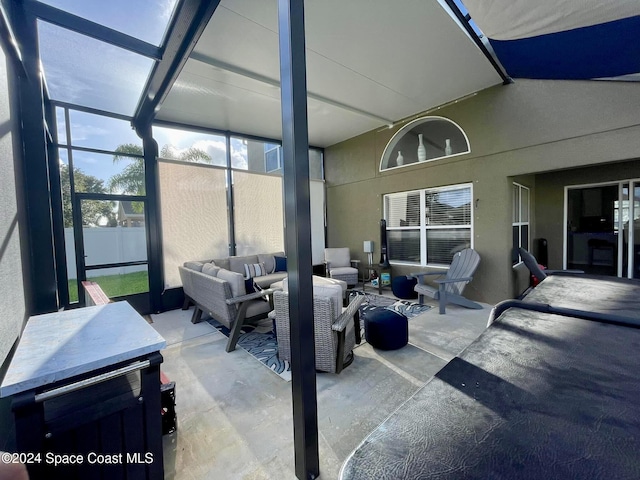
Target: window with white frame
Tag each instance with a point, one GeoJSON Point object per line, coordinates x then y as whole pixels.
{"type": "Point", "coordinates": [520, 229]}
{"type": "Point", "coordinates": [272, 157]}
{"type": "Point", "coordinates": [427, 227]}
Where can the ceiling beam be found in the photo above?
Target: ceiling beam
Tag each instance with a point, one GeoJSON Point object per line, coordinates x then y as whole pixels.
{"type": "Point", "coordinates": [187, 24]}
{"type": "Point", "coordinates": [91, 29]}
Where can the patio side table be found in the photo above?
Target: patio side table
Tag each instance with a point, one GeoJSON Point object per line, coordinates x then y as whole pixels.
{"type": "Point", "coordinates": [86, 394]}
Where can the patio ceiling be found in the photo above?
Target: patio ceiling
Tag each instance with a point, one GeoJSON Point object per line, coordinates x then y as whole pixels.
{"type": "Point", "coordinates": [369, 64]}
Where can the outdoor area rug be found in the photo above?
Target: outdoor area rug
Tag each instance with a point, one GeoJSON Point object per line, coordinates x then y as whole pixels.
{"type": "Point", "coordinates": [406, 307]}
{"type": "Point", "coordinates": [261, 342]}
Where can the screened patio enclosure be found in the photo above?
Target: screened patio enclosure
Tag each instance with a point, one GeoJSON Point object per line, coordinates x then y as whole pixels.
{"type": "Point", "coordinates": [206, 75]}
{"type": "Point", "coordinates": [204, 103]}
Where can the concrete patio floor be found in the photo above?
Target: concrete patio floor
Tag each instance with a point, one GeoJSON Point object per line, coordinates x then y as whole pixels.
{"type": "Point", "coordinates": [235, 415]}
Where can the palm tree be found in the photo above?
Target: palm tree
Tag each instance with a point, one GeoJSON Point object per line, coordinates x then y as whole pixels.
{"type": "Point", "coordinates": [131, 179]}
{"type": "Point", "coordinates": [94, 212]}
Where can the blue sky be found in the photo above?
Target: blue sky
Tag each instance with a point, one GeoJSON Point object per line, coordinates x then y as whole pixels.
{"type": "Point", "coordinates": [104, 133]}
{"type": "Point", "coordinates": [143, 19]}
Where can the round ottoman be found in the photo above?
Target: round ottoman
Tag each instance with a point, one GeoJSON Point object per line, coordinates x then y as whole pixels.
{"type": "Point", "coordinates": [402, 287]}
{"type": "Point", "coordinates": [386, 329]}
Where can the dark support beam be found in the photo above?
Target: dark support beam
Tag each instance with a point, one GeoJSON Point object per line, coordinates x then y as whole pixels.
{"type": "Point", "coordinates": [187, 24]}
{"type": "Point", "coordinates": [56, 209]}
{"type": "Point", "coordinates": [42, 277]}
{"type": "Point", "coordinates": [91, 29]}
{"type": "Point", "coordinates": [230, 201]}
{"type": "Point", "coordinates": [295, 146]}
{"type": "Point", "coordinates": [94, 111]}
{"type": "Point", "coordinates": [464, 20]}
{"type": "Point", "coordinates": [153, 218]}
{"type": "Point", "coordinates": [9, 41]}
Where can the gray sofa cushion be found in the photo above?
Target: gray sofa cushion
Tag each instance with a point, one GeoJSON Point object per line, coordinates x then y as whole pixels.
{"type": "Point", "coordinates": [236, 264]}
{"type": "Point", "coordinates": [222, 262]}
{"type": "Point", "coordinates": [197, 266]}
{"type": "Point", "coordinates": [265, 281]}
{"type": "Point", "coordinates": [257, 307]}
{"type": "Point", "coordinates": [235, 280]}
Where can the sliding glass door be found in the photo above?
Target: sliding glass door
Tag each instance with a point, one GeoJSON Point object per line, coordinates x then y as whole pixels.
{"type": "Point", "coordinates": [603, 223]}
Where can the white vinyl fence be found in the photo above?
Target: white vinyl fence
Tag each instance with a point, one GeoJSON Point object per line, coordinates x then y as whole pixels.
{"type": "Point", "coordinates": [108, 245]}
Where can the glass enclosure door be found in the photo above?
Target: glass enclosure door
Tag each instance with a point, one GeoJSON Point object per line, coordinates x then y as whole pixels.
{"type": "Point", "coordinates": [112, 251]}
{"type": "Point", "coordinates": [603, 229]}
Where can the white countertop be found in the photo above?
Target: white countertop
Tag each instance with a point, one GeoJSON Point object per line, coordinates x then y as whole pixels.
{"type": "Point", "coordinates": [60, 345]}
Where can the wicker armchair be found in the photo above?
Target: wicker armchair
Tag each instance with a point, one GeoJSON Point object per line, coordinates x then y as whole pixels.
{"type": "Point", "coordinates": [338, 264]}
{"type": "Point", "coordinates": [336, 330]}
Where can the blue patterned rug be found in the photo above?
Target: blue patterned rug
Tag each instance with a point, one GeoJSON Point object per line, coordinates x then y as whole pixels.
{"type": "Point", "coordinates": [260, 341]}
{"type": "Point", "coordinates": [406, 307]}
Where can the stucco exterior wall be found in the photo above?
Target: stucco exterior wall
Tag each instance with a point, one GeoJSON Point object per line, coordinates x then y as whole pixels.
{"type": "Point", "coordinates": [515, 131]}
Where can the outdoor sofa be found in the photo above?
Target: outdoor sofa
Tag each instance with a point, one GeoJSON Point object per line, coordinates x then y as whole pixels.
{"type": "Point", "coordinates": [224, 289]}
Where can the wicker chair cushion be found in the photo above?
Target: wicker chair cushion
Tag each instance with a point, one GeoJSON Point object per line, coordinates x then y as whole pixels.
{"type": "Point", "coordinates": [343, 271]}
{"type": "Point", "coordinates": [235, 280]}
{"type": "Point", "coordinates": [338, 257]}
{"type": "Point", "coordinates": [330, 291]}
{"type": "Point", "coordinates": [324, 289]}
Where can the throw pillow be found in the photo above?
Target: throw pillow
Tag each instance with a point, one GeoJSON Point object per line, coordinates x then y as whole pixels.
{"type": "Point", "coordinates": [281, 264]}
{"type": "Point", "coordinates": [249, 286]}
{"type": "Point", "coordinates": [210, 269]}
{"type": "Point", "coordinates": [254, 270]}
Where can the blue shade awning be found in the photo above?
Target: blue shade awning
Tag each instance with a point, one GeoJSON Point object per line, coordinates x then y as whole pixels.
{"type": "Point", "coordinates": [562, 39]}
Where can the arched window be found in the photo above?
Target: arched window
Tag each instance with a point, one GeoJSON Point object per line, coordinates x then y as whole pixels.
{"type": "Point", "coordinates": [424, 140]}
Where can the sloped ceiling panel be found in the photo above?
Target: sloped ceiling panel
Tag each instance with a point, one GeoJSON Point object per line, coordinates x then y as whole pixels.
{"type": "Point", "coordinates": [369, 63]}
{"type": "Point", "coordinates": [562, 39]}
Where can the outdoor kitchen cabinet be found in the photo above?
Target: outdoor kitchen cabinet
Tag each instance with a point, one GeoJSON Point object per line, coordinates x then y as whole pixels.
{"type": "Point", "coordinates": [86, 395]}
